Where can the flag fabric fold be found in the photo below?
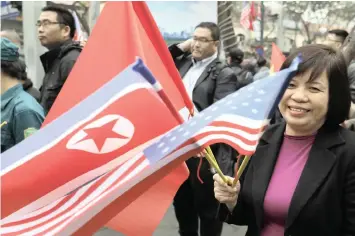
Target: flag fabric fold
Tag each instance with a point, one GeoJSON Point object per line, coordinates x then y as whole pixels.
{"type": "Point", "coordinates": [238, 120]}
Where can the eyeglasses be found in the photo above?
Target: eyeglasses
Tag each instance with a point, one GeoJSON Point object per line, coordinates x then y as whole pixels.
{"type": "Point", "coordinates": [47, 23]}
{"type": "Point", "coordinates": [202, 40]}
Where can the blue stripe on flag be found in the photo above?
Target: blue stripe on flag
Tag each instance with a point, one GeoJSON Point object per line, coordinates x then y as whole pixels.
{"type": "Point", "coordinates": [81, 111]}
{"type": "Point", "coordinates": [256, 101]}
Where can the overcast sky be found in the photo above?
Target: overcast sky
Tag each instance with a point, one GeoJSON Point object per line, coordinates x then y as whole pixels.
{"type": "Point", "coordinates": [178, 16]}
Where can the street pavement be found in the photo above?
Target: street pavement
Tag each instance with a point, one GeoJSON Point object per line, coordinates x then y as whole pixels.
{"type": "Point", "coordinates": [169, 227]}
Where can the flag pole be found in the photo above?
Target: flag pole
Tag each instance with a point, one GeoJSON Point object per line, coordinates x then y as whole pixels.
{"type": "Point", "coordinates": [151, 28]}
{"type": "Point", "coordinates": [147, 74]}
{"type": "Point", "coordinates": [3, 123]}
{"type": "Point", "coordinates": [241, 170]}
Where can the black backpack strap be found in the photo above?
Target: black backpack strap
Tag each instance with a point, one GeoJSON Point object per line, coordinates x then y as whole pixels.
{"type": "Point", "coordinates": [216, 70]}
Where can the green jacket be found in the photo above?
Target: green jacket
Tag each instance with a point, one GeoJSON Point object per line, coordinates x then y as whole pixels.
{"type": "Point", "coordinates": [21, 115]}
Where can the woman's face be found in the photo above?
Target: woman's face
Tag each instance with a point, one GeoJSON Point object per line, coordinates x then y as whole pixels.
{"type": "Point", "coordinates": [305, 104]}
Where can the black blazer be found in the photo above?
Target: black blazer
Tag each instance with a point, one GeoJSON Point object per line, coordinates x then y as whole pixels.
{"type": "Point", "coordinates": [210, 87]}
{"type": "Point", "coordinates": [324, 200]}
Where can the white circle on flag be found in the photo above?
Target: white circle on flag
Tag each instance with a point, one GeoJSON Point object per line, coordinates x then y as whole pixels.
{"type": "Point", "coordinates": [121, 133]}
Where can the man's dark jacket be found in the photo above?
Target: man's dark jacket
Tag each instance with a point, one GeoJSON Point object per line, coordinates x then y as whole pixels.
{"type": "Point", "coordinates": [57, 64]}
{"type": "Point", "coordinates": [216, 82]}
{"type": "Point", "coordinates": [351, 74]}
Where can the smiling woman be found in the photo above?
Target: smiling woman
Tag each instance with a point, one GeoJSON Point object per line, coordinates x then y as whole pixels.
{"type": "Point", "coordinates": [306, 104]}
{"type": "Point", "coordinates": [301, 179]}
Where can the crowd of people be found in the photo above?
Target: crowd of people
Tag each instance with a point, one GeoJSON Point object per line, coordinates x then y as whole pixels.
{"type": "Point", "coordinates": [23, 107]}
{"type": "Point", "coordinates": [301, 179]}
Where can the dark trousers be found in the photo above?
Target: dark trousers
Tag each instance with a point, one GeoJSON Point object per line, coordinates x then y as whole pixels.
{"type": "Point", "coordinates": [195, 201]}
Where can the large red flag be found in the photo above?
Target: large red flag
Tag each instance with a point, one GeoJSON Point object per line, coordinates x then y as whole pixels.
{"type": "Point", "coordinates": [111, 48]}
{"type": "Point", "coordinates": [146, 33]}
{"type": "Point", "coordinates": [138, 24]}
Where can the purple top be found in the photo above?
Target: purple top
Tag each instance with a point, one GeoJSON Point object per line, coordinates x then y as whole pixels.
{"type": "Point", "coordinates": [288, 169]}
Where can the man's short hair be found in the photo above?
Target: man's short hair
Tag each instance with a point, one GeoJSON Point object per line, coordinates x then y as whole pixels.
{"type": "Point", "coordinates": [319, 58]}
{"type": "Point", "coordinates": [215, 33]}
{"type": "Point", "coordinates": [339, 33]}
{"type": "Point", "coordinates": [261, 61]}
{"type": "Point", "coordinates": [236, 55]}
{"type": "Point", "coordinates": [64, 17]}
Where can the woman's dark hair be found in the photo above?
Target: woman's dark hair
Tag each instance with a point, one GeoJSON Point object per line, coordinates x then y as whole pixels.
{"type": "Point", "coordinates": [16, 69]}
{"type": "Point", "coordinates": [319, 58]}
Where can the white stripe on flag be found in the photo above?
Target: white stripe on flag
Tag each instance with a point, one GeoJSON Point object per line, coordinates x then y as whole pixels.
{"type": "Point", "coordinates": [91, 116]}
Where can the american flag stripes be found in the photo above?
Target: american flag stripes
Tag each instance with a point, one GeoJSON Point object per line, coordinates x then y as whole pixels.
{"type": "Point", "coordinates": [247, 15]}
{"type": "Point", "coordinates": [239, 119]}
{"type": "Point", "coordinates": [79, 34]}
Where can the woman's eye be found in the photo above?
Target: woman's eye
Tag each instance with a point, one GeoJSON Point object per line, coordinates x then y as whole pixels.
{"type": "Point", "coordinates": [291, 85]}
{"type": "Point", "coordinates": [315, 89]}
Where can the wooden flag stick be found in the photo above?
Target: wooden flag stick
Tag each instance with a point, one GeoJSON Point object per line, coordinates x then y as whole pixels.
{"type": "Point", "coordinates": [241, 169]}
{"type": "Point", "coordinates": [216, 167]}
{"type": "Point", "coordinates": [3, 123]}
{"type": "Point", "coordinates": [209, 151]}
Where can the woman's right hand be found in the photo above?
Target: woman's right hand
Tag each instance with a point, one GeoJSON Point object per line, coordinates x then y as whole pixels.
{"type": "Point", "coordinates": [224, 193]}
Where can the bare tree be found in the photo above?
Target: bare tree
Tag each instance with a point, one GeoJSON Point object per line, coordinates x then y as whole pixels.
{"type": "Point", "coordinates": [321, 12]}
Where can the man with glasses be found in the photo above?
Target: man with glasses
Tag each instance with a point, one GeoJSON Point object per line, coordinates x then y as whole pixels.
{"type": "Point", "coordinates": [335, 38]}
{"type": "Point", "coordinates": [206, 80]}
{"type": "Point", "coordinates": [56, 29]}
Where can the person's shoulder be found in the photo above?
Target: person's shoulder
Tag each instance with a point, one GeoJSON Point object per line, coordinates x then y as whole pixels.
{"type": "Point", "coordinates": [348, 149]}
{"type": "Point", "coordinates": [225, 70]}
{"type": "Point", "coordinates": [70, 51]}
{"type": "Point", "coordinates": [349, 137]}
{"type": "Point", "coordinates": [25, 102]}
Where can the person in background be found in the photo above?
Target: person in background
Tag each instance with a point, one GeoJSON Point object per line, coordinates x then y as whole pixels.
{"type": "Point", "coordinates": [21, 114]}
{"type": "Point", "coordinates": [335, 38]}
{"type": "Point", "coordinates": [235, 59]}
{"type": "Point", "coordinates": [348, 49]}
{"type": "Point", "coordinates": [206, 80]}
{"type": "Point", "coordinates": [56, 29]}
{"type": "Point", "coordinates": [26, 82]}
{"type": "Point", "coordinates": [11, 35]}
{"type": "Point", "coordinates": [301, 179]}
{"type": "Point", "coordinates": [263, 70]}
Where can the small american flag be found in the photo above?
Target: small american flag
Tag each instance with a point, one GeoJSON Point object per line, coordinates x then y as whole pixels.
{"type": "Point", "coordinates": [238, 120]}
{"type": "Point", "coordinates": [246, 15]}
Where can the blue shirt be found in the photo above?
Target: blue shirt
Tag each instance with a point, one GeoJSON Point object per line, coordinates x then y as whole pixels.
{"type": "Point", "coordinates": [23, 115]}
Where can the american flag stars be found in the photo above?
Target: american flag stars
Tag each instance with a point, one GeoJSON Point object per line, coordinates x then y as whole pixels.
{"type": "Point", "coordinates": [248, 110]}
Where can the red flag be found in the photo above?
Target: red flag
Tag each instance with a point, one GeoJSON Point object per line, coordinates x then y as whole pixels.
{"type": "Point", "coordinates": [277, 58]}
{"type": "Point", "coordinates": [104, 57]}
{"type": "Point", "coordinates": [151, 28]}
{"type": "Point", "coordinates": [248, 15]}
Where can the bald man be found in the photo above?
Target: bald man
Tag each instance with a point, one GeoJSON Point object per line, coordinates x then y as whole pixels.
{"type": "Point", "coordinates": [26, 82]}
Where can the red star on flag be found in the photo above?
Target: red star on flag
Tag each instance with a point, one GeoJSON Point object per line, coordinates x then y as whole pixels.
{"type": "Point", "coordinates": [100, 134]}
